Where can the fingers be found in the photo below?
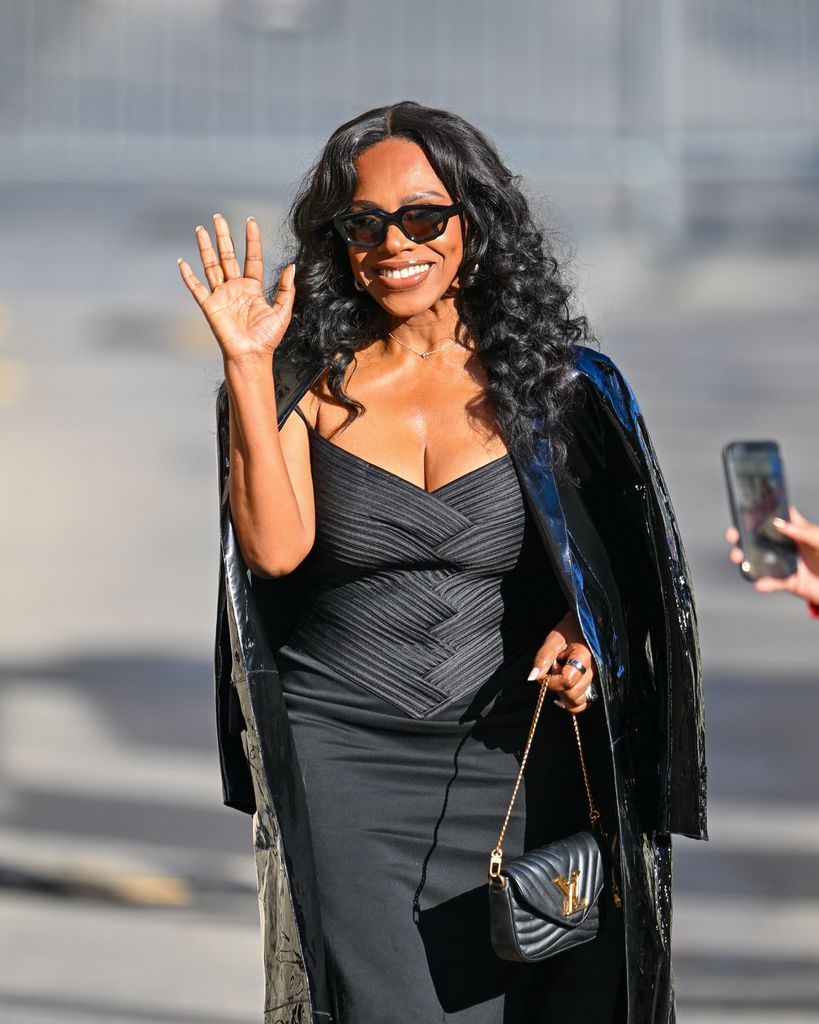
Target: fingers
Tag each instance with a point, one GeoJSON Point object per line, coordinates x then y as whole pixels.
{"type": "Point", "coordinates": [550, 662]}
{"type": "Point", "coordinates": [210, 261]}
{"type": "Point", "coordinates": [735, 554]}
{"type": "Point", "coordinates": [573, 709]}
{"type": "Point", "coordinates": [576, 703]}
{"type": "Point", "coordinates": [220, 264]}
{"type": "Point", "coordinates": [254, 261]}
{"type": "Point", "coordinates": [554, 645]}
{"type": "Point", "coordinates": [576, 694]}
{"type": "Point", "coordinates": [576, 654]}
{"type": "Point", "coordinates": [225, 248]}
{"type": "Point", "coordinates": [770, 584]}
{"type": "Point", "coordinates": [195, 286]}
{"type": "Point", "coordinates": [568, 681]}
{"type": "Point", "coordinates": [546, 656]}
{"type": "Point", "coordinates": [285, 291]}
{"type": "Point", "coordinates": [802, 531]}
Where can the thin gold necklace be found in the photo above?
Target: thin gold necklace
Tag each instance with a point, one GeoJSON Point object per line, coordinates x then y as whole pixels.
{"type": "Point", "coordinates": [423, 355]}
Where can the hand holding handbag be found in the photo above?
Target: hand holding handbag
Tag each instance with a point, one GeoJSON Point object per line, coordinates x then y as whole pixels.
{"type": "Point", "coordinates": [547, 901]}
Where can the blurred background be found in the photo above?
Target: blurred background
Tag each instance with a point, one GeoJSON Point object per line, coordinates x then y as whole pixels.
{"type": "Point", "coordinates": [672, 144]}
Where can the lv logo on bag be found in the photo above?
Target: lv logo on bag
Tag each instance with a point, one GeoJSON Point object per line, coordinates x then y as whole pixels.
{"type": "Point", "coordinates": [568, 886]}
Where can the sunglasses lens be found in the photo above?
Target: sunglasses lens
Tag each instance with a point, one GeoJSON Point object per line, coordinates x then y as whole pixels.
{"type": "Point", "coordinates": [423, 223]}
{"type": "Point", "coordinates": [363, 228]}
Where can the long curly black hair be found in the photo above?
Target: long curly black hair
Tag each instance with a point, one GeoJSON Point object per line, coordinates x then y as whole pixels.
{"type": "Point", "coordinates": [515, 306]}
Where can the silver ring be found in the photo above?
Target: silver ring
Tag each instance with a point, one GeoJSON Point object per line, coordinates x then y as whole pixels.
{"type": "Point", "coordinates": [591, 694]}
{"type": "Point", "coordinates": [581, 668]}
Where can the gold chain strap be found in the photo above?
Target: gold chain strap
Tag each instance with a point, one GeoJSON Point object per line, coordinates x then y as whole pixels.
{"type": "Point", "coordinates": [496, 857]}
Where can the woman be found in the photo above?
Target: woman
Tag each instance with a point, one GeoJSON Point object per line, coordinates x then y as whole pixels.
{"type": "Point", "coordinates": [465, 502]}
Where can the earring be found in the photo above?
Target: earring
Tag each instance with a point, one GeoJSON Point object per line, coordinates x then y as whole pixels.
{"type": "Point", "coordinates": [475, 268]}
{"type": "Point", "coordinates": [359, 287]}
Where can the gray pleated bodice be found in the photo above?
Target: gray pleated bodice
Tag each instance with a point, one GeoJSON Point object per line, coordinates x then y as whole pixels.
{"type": "Point", "coordinates": [420, 596]}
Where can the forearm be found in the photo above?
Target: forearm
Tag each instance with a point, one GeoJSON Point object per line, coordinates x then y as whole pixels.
{"type": "Point", "coordinates": [263, 504]}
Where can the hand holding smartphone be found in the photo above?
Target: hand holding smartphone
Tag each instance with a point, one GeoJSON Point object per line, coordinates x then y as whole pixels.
{"type": "Point", "coordinates": [756, 492]}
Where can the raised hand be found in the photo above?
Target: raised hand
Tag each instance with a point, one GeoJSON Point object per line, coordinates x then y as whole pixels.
{"type": "Point", "coordinates": [243, 322]}
{"type": "Point", "coordinates": [804, 582]}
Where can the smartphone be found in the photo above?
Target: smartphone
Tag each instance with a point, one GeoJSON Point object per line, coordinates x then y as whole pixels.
{"type": "Point", "coordinates": [756, 493]}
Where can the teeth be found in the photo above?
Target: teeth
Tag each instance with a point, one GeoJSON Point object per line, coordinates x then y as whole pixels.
{"type": "Point", "coordinates": [406, 271]}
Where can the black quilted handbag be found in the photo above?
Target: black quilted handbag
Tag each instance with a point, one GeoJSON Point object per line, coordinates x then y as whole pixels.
{"type": "Point", "coordinates": [548, 900]}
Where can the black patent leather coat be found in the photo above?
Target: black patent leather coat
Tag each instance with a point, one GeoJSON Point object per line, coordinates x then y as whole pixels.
{"type": "Point", "coordinates": [614, 543]}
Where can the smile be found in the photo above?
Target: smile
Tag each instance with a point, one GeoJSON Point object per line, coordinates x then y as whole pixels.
{"type": "Point", "coordinates": [405, 273]}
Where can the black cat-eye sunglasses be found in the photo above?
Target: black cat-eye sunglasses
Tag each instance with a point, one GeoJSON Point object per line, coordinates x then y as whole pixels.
{"type": "Point", "coordinates": [420, 222]}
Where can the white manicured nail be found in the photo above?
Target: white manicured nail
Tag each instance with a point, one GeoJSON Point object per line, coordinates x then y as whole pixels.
{"type": "Point", "coordinates": [533, 674]}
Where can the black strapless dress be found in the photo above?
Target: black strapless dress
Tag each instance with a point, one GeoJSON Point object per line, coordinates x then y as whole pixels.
{"type": "Point", "coordinates": [405, 681]}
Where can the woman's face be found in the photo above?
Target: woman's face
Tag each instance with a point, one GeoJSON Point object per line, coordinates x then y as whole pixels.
{"type": "Point", "coordinates": [393, 173]}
